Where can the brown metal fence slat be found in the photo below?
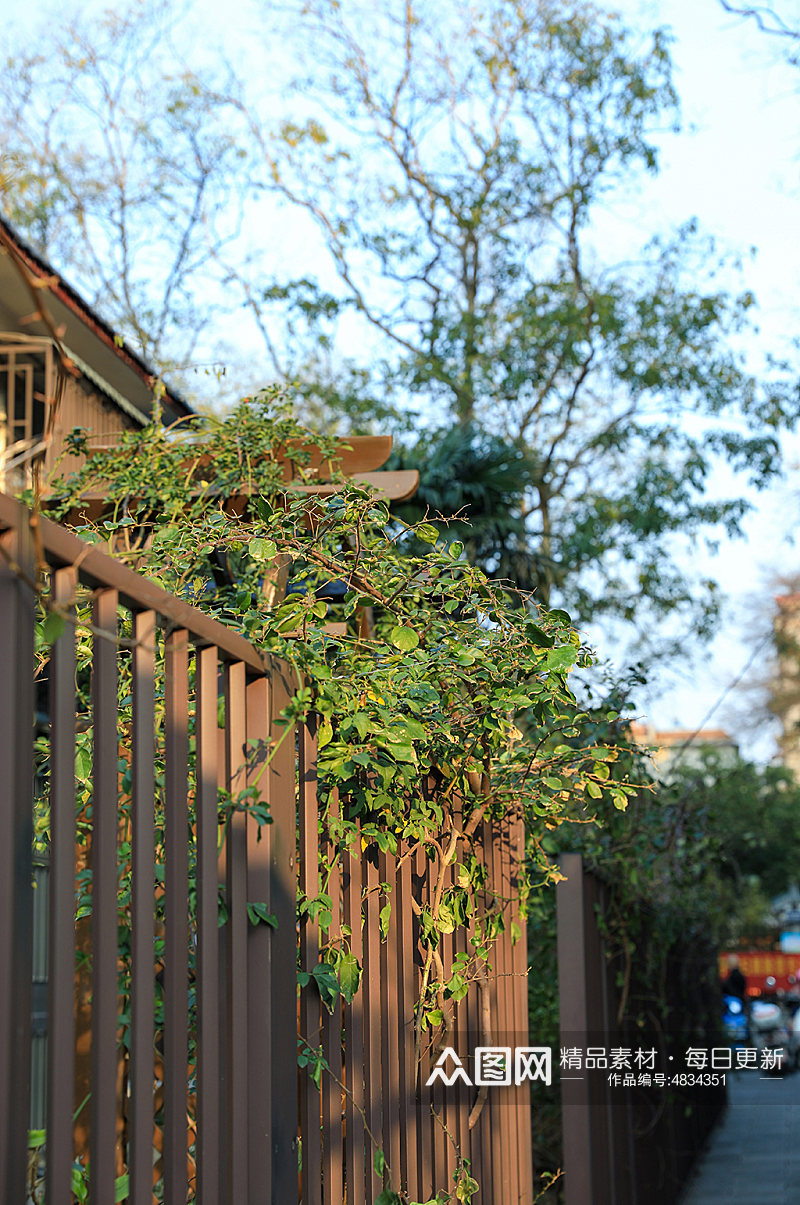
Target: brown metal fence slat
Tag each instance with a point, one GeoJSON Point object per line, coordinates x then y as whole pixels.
{"type": "Point", "coordinates": [16, 825]}
{"type": "Point", "coordinates": [226, 1061]}
{"type": "Point", "coordinates": [389, 988]}
{"type": "Point", "coordinates": [236, 886]}
{"type": "Point", "coordinates": [208, 962]}
{"type": "Point", "coordinates": [310, 1098]}
{"type": "Point", "coordinates": [407, 996]}
{"type": "Point", "coordinates": [61, 945]}
{"type": "Point", "coordinates": [355, 1156]}
{"type": "Point", "coordinates": [176, 940]}
{"type": "Point", "coordinates": [143, 662]}
{"type": "Point", "coordinates": [371, 990]}
{"type": "Point", "coordinates": [281, 795]}
{"type": "Point", "coordinates": [259, 954]}
{"type": "Point", "coordinates": [332, 1136]}
{"type": "Point", "coordinates": [104, 1109]}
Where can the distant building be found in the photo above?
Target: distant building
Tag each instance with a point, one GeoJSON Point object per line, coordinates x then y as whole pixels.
{"type": "Point", "coordinates": [683, 745]}
{"type": "Point", "coordinates": [112, 389]}
{"type": "Point", "coordinates": [785, 693]}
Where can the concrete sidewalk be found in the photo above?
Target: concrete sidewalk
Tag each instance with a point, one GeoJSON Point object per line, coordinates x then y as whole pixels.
{"type": "Point", "coordinates": [754, 1155]}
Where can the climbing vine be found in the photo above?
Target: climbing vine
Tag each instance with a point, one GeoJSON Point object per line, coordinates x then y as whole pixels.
{"type": "Point", "coordinates": [440, 698]}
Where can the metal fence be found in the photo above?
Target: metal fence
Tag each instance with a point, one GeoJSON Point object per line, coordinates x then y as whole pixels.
{"type": "Point", "coordinates": [188, 1034]}
{"type": "Point", "coordinates": [631, 1145]}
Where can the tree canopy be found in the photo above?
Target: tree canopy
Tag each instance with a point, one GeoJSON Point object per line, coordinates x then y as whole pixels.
{"type": "Point", "coordinates": [441, 170]}
{"type": "Point", "coordinates": [121, 166]}
{"type": "Point", "coordinates": [454, 177]}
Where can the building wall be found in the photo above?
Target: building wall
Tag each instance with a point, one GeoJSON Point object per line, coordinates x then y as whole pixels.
{"type": "Point", "coordinates": [83, 405]}
{"type": "Point", "coordinates": [683, 746]}
{"type": "Point", "coordinates": [785, 700]}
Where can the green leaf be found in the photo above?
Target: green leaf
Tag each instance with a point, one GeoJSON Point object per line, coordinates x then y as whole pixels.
{"type": "Point", "coordinates": [427, 533]}
{"type": "Point", "coordinates": [363, 723]}
{"type": "Point", "coordinates": [349, 976]}
{"type": "Point", "coordinates": [538, 637]}
{"type": "Point", "coordinates": [379, 1163]}
{"type": "Point", "coordinates": [325, 735]}
{"type": "Point", "coordinates": [327, 984]}
{"type": "Point", "coordinates": [404, 638]}
{"type": "Point", "coordinates": [562, 658]}
{"type": "Point", "coordinates": [121, 1188]}
{"type": "Point", "coordinates": [466, 1188]}
{"type": "Point", "coordinates": [52, 627]}
{"type": "Point", "coordinates": [36, 1138]}
{"type": "Point", "coordinates": [387, 1197]}
{"type": "Point", "coordinates": [384, 917]}
{"type": "Point", "coordinates": [262, 550]}
{"type": "Point", "coordinates": [446, 922]}
{"type": "Point", "coordinates": [415, 730]}
{"type": "Point", "coordinates": [258, 914]}
{"type": "Point", "coordinates": [80, 1188]}
{"type": "Point", "coordinates": [83, 762]}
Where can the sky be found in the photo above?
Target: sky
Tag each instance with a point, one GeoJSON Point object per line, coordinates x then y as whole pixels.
{"type": "Point", "coordinates": [735, 166]}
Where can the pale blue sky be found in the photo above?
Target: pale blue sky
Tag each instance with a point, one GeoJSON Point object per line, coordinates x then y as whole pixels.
{"type": "Point", "coordinates": [736, 167]}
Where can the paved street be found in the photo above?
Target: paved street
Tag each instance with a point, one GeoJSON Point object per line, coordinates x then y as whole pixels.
{"type": "Point", "coordinates": [754, 1155]}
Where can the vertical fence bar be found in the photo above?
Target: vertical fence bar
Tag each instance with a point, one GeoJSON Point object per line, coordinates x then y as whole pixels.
{"type": "Point", "coordinates": [140, 1163]}
{"type": "Point", "coordinates": [421, 1072]}
{"type": "Point", "coordinates": [461, 1096]}
{"type": "Point", "coordinates": [310, 1100]}
{"type": "Point", "coordinates": [406, 997]}
{"type": "Point", "coordinates": [282, 773]}
{"type": "Point", "coordinates": [450, 1095]}
{"type": "Point", "coordinates": [461, 1028]}
{"type": "Point", "coordinates": [371, 991]}
{"type": "Point", "coordinates": [61, 942]}
{"type": "Point", "coordinates": [520, 962]}
{"type": "Point", "coordinates": [104, 1105]}
{"type": "Point", "coordinates": [439, 1144]}
{"type": "Point", "coordinates": [332, 1138]}
{"type": "Point", "coordinates": [236, 886]}
{"type": "Point", "coordinates": [489, 1147]}
{"type": "Point", "coordinates": [390, 989]}
{"type": "Point", "coordinates": [261, 1105]}
{"type": "Point", "coordinates": [223, 948]}
{"type": "Point", "coordinates": [16, 834]}
{"type": "Point", "coordinates": [176, 939]}
{"type": "Point", "coordinates": [354, 1035]}
{"type": "Point", "coordinates": [510, 1110]}
{"type": "Point", "coordinates": [472, 1021]}
{"type": "Point", "coordinates": [502, 1096]}
{"type": "Point", "coordinates": [580, 1184]}
{"type": "Point", "coordinates": [208, 1018]}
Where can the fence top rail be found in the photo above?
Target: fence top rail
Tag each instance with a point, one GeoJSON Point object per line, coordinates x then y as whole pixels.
{"type": "Point", "coordinates": [98, 570]}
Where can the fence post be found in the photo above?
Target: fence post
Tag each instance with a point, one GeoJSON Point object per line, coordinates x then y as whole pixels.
{"type": "Point", "coordinates": [283, 855]}
{"type": "Point", "coordinates": [260, 1103]}
{"type": "Point", "coordinates": [581, 974]}
{"type": "Point", "coordinates": [16, 854]}
{"type": "Point", "coordinates": [61, 936]}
